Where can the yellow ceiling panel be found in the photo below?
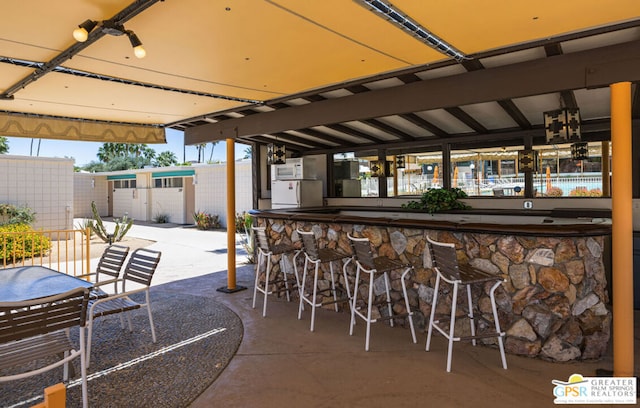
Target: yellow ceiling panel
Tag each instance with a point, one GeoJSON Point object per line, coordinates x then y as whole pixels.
{"type": "Point", "coordinates": [72, 96]}
{"type": "Point", "coordinates": [478, 26]}
{"type": "Point", "coordinates": [256, 49]}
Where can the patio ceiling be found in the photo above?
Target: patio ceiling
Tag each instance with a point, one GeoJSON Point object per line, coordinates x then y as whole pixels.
{"type": "Point", "coordinates": [318, 76]}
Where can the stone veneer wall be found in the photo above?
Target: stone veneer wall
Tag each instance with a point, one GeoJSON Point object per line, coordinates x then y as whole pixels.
{"type": "Point", "coordinates": [553, 304]}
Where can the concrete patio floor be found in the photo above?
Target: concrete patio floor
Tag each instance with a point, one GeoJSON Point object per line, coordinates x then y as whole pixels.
{"type": "Point", "coordinates": [280, 363]}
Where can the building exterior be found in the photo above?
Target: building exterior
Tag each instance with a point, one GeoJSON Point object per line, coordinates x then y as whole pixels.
{"type": "Point", "coordinates": [50, 187]}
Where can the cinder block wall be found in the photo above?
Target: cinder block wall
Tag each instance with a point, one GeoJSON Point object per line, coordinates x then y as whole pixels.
{"type": "Point", "coordinates": [89, 187]}
{"type": "Point", "coordinates": [43, 184]}
{"type": "Point", "coordinates": [211, 190]}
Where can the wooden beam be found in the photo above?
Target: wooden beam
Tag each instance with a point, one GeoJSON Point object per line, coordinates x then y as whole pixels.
{"type": "Point", "coordinates": [585, 69]}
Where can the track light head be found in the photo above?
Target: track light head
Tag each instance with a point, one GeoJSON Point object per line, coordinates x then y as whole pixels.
{"type": "Point", "coordinates": [82, 32]}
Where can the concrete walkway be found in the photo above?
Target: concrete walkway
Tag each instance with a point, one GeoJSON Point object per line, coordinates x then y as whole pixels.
{"type": "Point", "coordinates": [280, 363]}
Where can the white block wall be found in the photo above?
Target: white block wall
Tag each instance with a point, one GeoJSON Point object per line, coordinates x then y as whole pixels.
{"type": "Point", "coordinates": [169, 201]}
{"type": "Point", "coordinates": [43, 184]}
{"type": "Point", "coordinates": [211, 190]}
{"type": "Point", "coordinates": [89, 187]}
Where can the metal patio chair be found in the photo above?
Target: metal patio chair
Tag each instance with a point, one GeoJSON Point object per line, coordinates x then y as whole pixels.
{"type": "Point", "coordinates": [377, 266]}
{"type": "Point", "coordinates": [445, 263]}
{"type": "Point", "coordinates": [139, 271]}
{"type": "Point", "coordinates": [316, 256]}
{"type": "Point", "coordinates": [265, 252]}
{"type": "Point", "coordinates": [109, 266]}
{"type": "Point", "coordinates": [38, 329]}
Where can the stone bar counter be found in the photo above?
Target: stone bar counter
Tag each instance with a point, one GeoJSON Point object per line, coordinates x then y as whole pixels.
{"type": "Point", "coordinates": [554, 303]}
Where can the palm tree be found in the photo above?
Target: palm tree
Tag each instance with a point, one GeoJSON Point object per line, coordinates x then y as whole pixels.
{"type": "Point", "coordinates": [213, 144]}
{"type": "Point", "coordinates": [201, 148]}
{"type": "Point", "coordinates": [166, 159]}
{"type": "Point", "coordinates": [4, 145]}
{"type": "Point", "coordinates": [248, 152]}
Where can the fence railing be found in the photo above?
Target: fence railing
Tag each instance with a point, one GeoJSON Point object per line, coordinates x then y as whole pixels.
{"type": "Point", "coordinates": [67, 251]}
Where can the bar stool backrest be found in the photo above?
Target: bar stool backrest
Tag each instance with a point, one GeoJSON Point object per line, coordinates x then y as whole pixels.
{"type": "Point", "coordinates": [261, 239]}
{"type": "Point", "coordinates": [362, 251]}
{"type": "Point", "coordinates": [443, 256]}
{"type": "Point", "coordinates": [310, 244]}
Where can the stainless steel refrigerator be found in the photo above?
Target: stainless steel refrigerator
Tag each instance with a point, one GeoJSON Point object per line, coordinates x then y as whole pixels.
{"type": "Point", "coordinates": [296, 193]}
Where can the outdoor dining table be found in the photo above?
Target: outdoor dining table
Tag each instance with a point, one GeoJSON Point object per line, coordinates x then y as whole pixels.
{"type": "Point", "coordinates": [33, 281]}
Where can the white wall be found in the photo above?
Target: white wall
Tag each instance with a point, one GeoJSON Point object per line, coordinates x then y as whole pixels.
{"type": "Point", "coordinates": [211, 190]}
{"type": "Point", "coordinates": [169, 201]}
{"type": "Point", "coordinates": [43, 184]}
{"type": "Point", "coordinates": [89, 187]}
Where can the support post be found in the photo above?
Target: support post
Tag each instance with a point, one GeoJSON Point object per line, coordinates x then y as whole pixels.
{"type": "Point", "coordinates": [622, 230]}
{"type": "Point", "coordinates": [231, 221]}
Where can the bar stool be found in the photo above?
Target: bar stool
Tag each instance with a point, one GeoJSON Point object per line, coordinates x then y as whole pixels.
{"type": "Point", "coordinates": [377, 266]}
{"type": "Point", "coordinates": [265, 251]}
{"type": "Point", "coordinates": [317, 256]}
{"type": "Point", "coordinates": [445, 262]}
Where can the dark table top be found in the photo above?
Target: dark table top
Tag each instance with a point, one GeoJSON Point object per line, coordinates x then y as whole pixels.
{"type": "Point", "coordinates": [32, 282]}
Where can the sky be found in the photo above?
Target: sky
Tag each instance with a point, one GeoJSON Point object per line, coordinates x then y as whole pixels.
{"type": "Point", "coordinates": [85, 152]}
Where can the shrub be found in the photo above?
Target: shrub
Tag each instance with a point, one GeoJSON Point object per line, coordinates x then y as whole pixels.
{"type": "Point", "coordinates": [122, 226]}
{"type": "Point", "coordinates": [439, 199]}
{"type": "Point", "coordinates": [244, 222]}
{"type": "Point", "coordinates": [161, 218]}
{"type": "Point", "coordinates": [554, 192]}
{"type": "Point", "coordinates": [84, 224]}
{"type": "Point", "coordinates": [16, 215]}
{"type": "Point", "coordinates": [20, 241]}
{"type": "Point", "coordinates": [579, 192]}
{"type": "Point", "coordinates": [595, 192]}
{"type": "Point", "coordinates": [206, 221]}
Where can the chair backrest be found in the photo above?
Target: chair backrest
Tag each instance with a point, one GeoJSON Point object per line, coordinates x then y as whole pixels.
{"type": "Point", "coordinates": [362, 251]}
{"type": "Point", "coordinates": [111, 261]}
{"type": "Point", "coordinates": [443, 256]}
{"type": "Point", "coordinates": [141, 266]}
{"type": "Point", "coordinates": [309, 244]}
{"type": "Point", "coordinates": [261, 239]}
{"type": "Point", "coordinates": [21, 320]}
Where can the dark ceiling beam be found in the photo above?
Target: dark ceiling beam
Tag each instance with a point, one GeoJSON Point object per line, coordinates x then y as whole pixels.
{"type": "Point", "coordinates": [388, 129]}
{"type": "Point", "coordinates": [355, 133]}
{"type": "Point", "coordinates": [424, 124]}
{"type": "Point", "coordinates": [515, 113]}
{"type": "Point", "coordinates": [593, 130]}
{"type": "Point", "coordinates": [280, 136]}
{"type": "Point", "coordinates": [322, 136]}
{"type": "Point", "coordinates": [465, 118]}
{"type": "Point", "coordinates": [584, 69]}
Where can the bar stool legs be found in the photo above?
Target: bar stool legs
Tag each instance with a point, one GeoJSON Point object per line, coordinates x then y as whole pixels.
{"type": "Point", "coordinates": [265, 257]}
{"type": "Point", "coordinates": [304, 298]}
{"type": "Point", "coordinates": [445, 262]}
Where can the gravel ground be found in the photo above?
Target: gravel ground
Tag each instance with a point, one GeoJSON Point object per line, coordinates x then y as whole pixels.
{"type": "Point", "coordinates": [170, 379]}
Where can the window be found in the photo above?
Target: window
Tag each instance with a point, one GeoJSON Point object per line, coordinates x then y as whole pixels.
{"type": "Point", "coordinates": [168, 182]}
{"type": "Point", "coordinates": [124, 184]}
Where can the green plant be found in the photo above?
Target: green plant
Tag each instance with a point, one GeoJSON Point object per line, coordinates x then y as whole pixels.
{"type": "Point", "coordinates": [205, 221]}
{"type": "Point", "coordinates": [16, 215]}
{"type": "Point", "coordinates": [84, 224]}
{"type": "Point", "coordinates": [123, 226]}
{"type": "Point", "coordinates": [161, 218]}
{"type": "Point", "coordinates": [19, 241]}
{"type": "Point", "coordinates": [439, 199]}
{"type": "Point", "coordinates": [244, 222]}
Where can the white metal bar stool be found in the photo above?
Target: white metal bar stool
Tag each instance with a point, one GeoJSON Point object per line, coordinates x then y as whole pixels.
{"type": "Point", "coordinates": [316, 256]}
{"type": "Point", "coordinates": [445, 262]}
{"type": "Point", "coordinates": [377, 266]}
{"type": "Point", "coordinates": [265, 252]}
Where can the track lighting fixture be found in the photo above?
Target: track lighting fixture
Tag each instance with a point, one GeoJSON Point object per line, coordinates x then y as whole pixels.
{"type": "Point", "coordinates": [81, 34]}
